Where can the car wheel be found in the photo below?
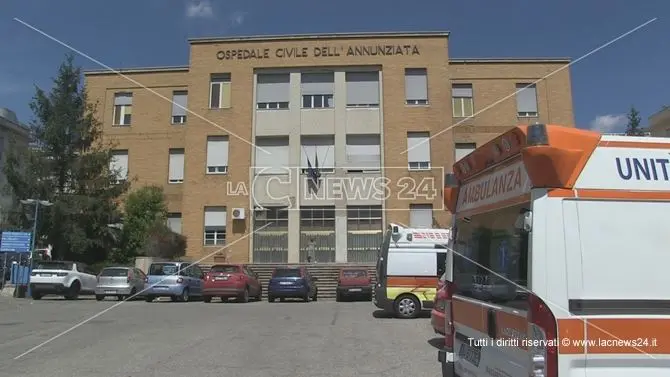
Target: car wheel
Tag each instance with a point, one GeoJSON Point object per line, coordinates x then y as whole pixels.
{"type": "Point", "coordinates": [207, 298]}
{"type": "Point", "coordinates": [338, 297]}
{"type": "Point", "coordinates": [316, 293]}
{"type": "Point", "coordinates": [245, 296]}
{"type": "Point", "coordinates": [259, 296]}
{"type": "Point", "coordinates": [271, 299]}
{"type": "Point", "coordinates": [99, 297]}
{"type": "Point", "coordinates": [282, 299]}
{"type": "Point", "coordinates": [132, 295]}
{"type": "Point", "coordinates": [149, 298]}
{"type": "Point", "coordinates": [407, 306]}
{"type": "Point", "coordinates": [37, 296]}
{"type": "Point", "coordinates": [73, 292]}
{"type": "Point", "coordinates": [184, 296]}
{"type": "Point", "coordinates": [119, 297]}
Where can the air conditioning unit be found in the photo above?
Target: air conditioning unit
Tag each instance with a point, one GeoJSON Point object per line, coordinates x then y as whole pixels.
{"type": "Point", "coordinates": [238, 213]}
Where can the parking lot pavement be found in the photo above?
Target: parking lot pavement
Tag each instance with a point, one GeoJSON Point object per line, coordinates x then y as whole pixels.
{"type": "Point", "coordinates": [197, 339]}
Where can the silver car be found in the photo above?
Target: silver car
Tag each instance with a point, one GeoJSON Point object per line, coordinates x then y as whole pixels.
{"type": "Point", "coordinates": [122, 282]}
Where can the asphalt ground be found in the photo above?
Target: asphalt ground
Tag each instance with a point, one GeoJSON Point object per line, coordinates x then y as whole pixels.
{"type": "Point", "coordinates": [164, 339]}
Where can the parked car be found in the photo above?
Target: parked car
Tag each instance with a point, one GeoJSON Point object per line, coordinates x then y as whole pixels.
{"type": "Point", "coordinates": [122, 282]}
{"type": "Point", "coordinates": [437, 314]}
{"type": "Point", "coordinates": [177, 280]}
{"type": "Point", "coordinates": [354, 283]}
{"type": "Point", "coordinates": [69, 279]}
{"type": "Point", "coordinates": [231, 280]}
{"type": "Point", "coordinates": [292, 282]}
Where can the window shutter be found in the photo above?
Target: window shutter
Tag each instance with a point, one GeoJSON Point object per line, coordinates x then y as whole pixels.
{"type": "Point", "coordinates": [217, 151]}
{"type": "Point", "coordinates": [416, 84]}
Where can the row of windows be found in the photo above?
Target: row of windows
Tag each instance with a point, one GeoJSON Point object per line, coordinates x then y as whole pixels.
{"type": "Point", "coordinates": [363, 154]}
{"type": "Point", "coordinates": [214, 232]}
{"type": "Point", "coordinates": [273, 93]}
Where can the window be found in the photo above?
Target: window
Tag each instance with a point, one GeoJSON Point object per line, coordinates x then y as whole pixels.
{"type": "Point", "coordinates": [318, 151]}
{"type": "Point", "coordinates": [174, 222]}
{"type": "Point", "coordinates": [461, 100]}
{"type": "Point", "coordinates": [215, 226]}
{"type": "Point", "coordinates": [272, 155]}
{"type": "Point", "coordinates": [418, 150]}
{"type": "Point", "coordinates": [179, 101]}
{"type": "Point", "coordinates": [217, 154]}
{"type": "Point", "coordinates": [271, 219]}
{"type": "Point", "coordinates": [118, 165]}
{"type": "Point", "coordinates": [363, 153]}
{"type": "Point", "coordinates": [123, 109]}
{"type": "Point", "coordinates": [317, 217]}
{"type": "Point", "coordinates": [490, 242]}
{"type": "Point", "coordinates": [421, 215]}
{"type": "Point", "coordinates": [317, 90]}
{"type": "Point", "coordinates": [463, 149]}
{"type": "Point", "coordinates": [273, 91]}
{"type": "Point", "coordinates": [219, 91]}
{"type": "Point", "coordinates": [176, 166]}
{"type": "Point", "coordinates": [365, 218]}
{"type": "Point", "coordinates": [526, 100]}
{"type": "Point", "coordinates": [362, 89]}
{"type": "Point", "coordinates": [416, 86]}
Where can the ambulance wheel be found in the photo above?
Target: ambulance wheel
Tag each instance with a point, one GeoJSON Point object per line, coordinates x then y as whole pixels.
{"type": "Point", "coordinates": [407, 306]}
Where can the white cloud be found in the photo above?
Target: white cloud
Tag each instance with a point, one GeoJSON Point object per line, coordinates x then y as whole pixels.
{"type": "Point", "coordinates": [199, 9]}
{"type": "Point", "coordinates": [611, 123]}
{"type": "Point", "coordinates": [237, 18]}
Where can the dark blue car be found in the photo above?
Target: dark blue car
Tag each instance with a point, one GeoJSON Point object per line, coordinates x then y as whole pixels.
{"type": "Point", "coordinates": [292, 282]}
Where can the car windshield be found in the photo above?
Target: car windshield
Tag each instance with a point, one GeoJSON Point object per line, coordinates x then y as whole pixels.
{"type": "Point", "coordinates": [286, 273]}
{"type": "Point", "coordinates": [114, 272]}
{"type": "Point", "coordinates": [54, 266]}
{"type": "Point", "coordinates": [354, 274]}
{"type": "Point", "coordinates": [161, 269]}
{"type": "Point", "coordinates": [226, 269]}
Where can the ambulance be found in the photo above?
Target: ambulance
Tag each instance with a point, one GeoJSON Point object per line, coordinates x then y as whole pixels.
{"type": "Point", "coordinates": [560, 256]}
{"type": "Point", "coordinates": [409, 265]}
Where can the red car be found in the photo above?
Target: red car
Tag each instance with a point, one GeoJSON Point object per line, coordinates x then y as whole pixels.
{"type": "Point", "coordinates": [354, 282]}
{"type": "Point", "coordinates": [437, 314]}
{"type": "Point", "coordinates": [231, 280]}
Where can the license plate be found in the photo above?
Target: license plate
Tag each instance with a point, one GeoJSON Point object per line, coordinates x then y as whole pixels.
{"type": "Point", "coordinates": [470, 354]}
{"type": "Point", "coordinates": [46, 275]}
{"type": "Point", "coordinates": [160, 287]}
{"type": "Point", "coordinates": [355, 290]}
{"type": "Point", "coordinates": [110, 291]}
{"type": "Point", "coordinates": [221, 278]}
{"type": "Point", "coordinates": [285, 282]}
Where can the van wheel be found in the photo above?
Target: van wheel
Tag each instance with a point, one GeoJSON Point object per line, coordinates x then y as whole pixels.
{"type": "Point", "coordinates": [73, 292]}
{"type": "Point", "coordinates": [407, 306]}
{"type": "Point", "coordinates": [149, 298]}
{"type": "Point", "coordinates": [316, 293]}
{"type": "Point", "coordinates": [259, 296]}
{"type": "Point", "coordinates": [36, 296]}
{"type": "Point", "coordinates": [99, 297]}
{"type": "Point", "coordinates": [207, 298]}
{"type": "Point", "coordinates": [271, 299]}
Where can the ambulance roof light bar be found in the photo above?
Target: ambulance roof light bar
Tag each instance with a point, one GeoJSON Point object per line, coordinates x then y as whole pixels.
{"type": "Point", "coordinates": [537, 135]}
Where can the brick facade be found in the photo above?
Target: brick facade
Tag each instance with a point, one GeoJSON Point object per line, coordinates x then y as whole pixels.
{"type": "Point", "coordinates": [151, 134]}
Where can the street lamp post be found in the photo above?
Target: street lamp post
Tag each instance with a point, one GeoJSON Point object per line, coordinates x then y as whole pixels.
{"type": "Point", "coordinates": [37, 203]}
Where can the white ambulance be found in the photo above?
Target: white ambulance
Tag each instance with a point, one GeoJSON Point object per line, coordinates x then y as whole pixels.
{"type": "Point", "coordinates": [561, 256]}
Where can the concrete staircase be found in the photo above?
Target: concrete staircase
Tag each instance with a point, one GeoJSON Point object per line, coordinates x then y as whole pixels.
{"type": "Point", "coordinates": [326, 273]}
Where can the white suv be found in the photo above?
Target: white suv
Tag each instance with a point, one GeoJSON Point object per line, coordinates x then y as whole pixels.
{"type": "Point", "coordinates": [69, 279]}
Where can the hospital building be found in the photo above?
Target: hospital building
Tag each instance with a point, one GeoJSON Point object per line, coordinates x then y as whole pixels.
{"type": "Point", "coordinates": [284, 147]}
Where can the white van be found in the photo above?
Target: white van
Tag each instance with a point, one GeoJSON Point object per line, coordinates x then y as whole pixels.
{"type": "Point", "coordinates": [561, 256]}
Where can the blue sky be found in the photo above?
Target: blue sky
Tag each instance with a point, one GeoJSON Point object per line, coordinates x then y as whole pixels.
{"type": "Point", "coordinates": [132, 33]}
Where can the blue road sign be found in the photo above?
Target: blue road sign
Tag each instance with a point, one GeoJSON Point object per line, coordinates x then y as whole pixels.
{"type": "Point", "coordinates": [17, 242]}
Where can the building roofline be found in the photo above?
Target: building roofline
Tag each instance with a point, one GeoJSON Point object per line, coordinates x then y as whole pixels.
{"type": "Point", "coordinates": [16, 127]}
{"type": "Point", "coordinates": [510, 60]}
{"type": "Point", "coordinates": [294, 37]}
{"type": "Point", "coordinates": [661, 111]}
{"type": "Point", "coordinates": [114, 71]}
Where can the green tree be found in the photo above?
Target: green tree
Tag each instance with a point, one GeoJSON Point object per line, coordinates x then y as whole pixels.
{"type": "Point", "coordinates": [633, 128]}
{"type": "Point", "coordinates": [144, 227]}
{"type": "Point", "coordinates": [68, 165]}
